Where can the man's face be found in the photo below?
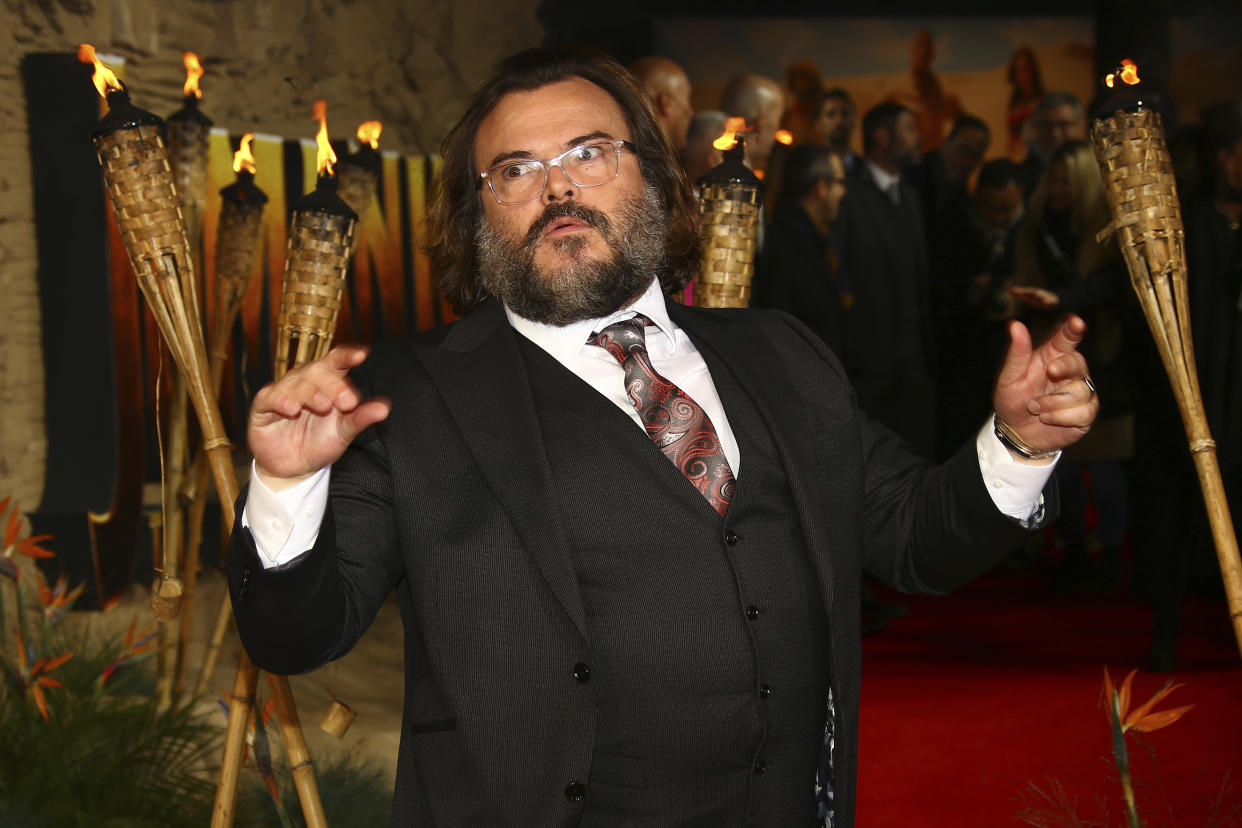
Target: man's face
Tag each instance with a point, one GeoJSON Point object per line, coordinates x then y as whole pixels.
{"type": "Point", "coordinates": [573, 252]}
{"type": "Point", "coordinates": [905, 142]}
{"type": "Point", "coordinates": [963, 152]}
{"type": "Point", "coordinates": [999, 207]}
{"type": "Point", "coordinates": [835, 122]}
{"type": "Point", "coordinates": [680, 112]}
{"type": "Point", "coordinates": [1058, 125]}
{"type": "Point", "coordinates": [836, 189]}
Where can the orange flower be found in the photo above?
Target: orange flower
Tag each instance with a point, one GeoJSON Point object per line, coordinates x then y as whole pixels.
{"type": "Point", "coordinates": [1141, 718]}
{"type": "Point", "coordinates": [32, 678]}
{"type": "Point", "coordinates": [136, 647]}
{"type": "Point", "coordinates": [58, 599]}
{"type": "Point", "coordinates": [14, 544]}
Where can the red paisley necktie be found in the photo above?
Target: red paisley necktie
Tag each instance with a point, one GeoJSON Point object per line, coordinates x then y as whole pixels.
{"type": "Point", "coordinates": [677, 424]}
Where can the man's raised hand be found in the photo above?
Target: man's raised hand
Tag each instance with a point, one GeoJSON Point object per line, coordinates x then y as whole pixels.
{"type": "Point", "coordinates": [1045, 394]}
{"type": "Point", "coordinates": [305, 420]}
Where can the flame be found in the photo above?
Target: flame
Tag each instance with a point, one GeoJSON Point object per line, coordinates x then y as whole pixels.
{"type": "Point", "coordinates": [103, 78]}
{"type": "Point", "coordinates": [193, 71]}
{"type": "Point", "coordinates": [783, 136]}
{"type": "Point", "coordinates": [1128, 71]}
{"type": "Point", "coordinates": [326, 156]}
{"type": "Point", "coordinates": [243, 159]}
{"type": "Point", "coordinates": [369, 133]}
{"type": "Point", "coordinates": [729, 137]}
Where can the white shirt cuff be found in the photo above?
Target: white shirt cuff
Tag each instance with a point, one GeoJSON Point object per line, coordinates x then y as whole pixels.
{"type": "Point", "coordinates": [285, 524]}
{"type": "Point", "coordinates": [1016, 488]}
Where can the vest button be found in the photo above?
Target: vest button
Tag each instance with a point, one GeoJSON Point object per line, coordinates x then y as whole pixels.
{"type": "Point", "coordinates": [582, 673]}
{"type": "Point", "coordinates": [760, 767]}
{"type": "Point", "coordinates": [752, 612]}
{"type": "Point", "coordinates": [764, 691]}
{"type": "Point", "coordinates": [731, 538]}
{"type": "Point", "coordinates": [575, 792]}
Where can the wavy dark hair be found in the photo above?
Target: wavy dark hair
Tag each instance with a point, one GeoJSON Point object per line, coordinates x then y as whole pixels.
{"type": "Point", "coordinates": [455, 197]}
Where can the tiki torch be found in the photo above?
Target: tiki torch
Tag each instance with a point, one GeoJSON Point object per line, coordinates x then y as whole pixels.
{"type": "Point", "coordinates": [1138, 180]}
{"type": "Point", "coordinates": [729, 199]}
{"type": "Point", "coordinates": [139, 181]}
{"type": "Point", "coordinates": [237, 242]}
{"type": "Point", "coordinates": [321, 234]}
{"type": "Point", "coordinates": [188, 132]}
{"type": "Point", "coordinates": [358, 173]}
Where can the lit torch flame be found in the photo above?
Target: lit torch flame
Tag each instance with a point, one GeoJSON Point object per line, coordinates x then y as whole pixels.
{"type": "Point", "coordinates": [326, 156]}
{"type": "Point", "coordinates": [1128, 71]}
{"type": "Point", "coordinates": [243, 159]}
{"type": "Point", "coordinates": [193, 71]}
{"type": "Point", "coordinates": [369, 133]}
{"type": "Point", "coordinates": [729, 137]}
{"type": "Point", "coordinates": [103, 78]}
{"type": "Point", "coordinates": [783, 136]}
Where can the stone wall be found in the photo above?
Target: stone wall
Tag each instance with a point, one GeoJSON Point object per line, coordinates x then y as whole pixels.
{"type": "Point", "coordinates": [408, 63]}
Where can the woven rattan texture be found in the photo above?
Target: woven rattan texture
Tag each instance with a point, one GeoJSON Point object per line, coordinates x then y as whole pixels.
{"type": "Point", "coordinates": [730, 226]}
{"type": "Point", "coordinates": [315, 265]}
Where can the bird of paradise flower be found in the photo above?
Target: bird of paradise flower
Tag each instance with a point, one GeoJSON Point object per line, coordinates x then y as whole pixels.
{"type": "Point", "coordinates": [15, 544]}
{"type": "Point", "coordinates": [137, 647]}
{"type": "Point", "coordinates": [57, 599]}
{"type": "Point", "coordinates": [30, 675]}
{"type": "Point", "coordinates": [1143, 719]}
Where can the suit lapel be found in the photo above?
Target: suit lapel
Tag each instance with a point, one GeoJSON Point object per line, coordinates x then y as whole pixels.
{"type": "Point", "coordinates": [480, 372]}
{"type": "Point", "coordinates": [733, 342]}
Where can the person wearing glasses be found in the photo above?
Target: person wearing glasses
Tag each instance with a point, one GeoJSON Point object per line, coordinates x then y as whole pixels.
{"type": "Point", "coordinates": [625, 535]}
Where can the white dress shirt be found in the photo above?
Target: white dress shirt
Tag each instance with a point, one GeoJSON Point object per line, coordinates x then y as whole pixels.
{"type": "Point", "coordinates": [286, 523]}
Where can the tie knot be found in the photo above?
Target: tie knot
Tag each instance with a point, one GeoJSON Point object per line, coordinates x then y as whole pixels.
{"type": "Point", "coordinates": [624, 338]}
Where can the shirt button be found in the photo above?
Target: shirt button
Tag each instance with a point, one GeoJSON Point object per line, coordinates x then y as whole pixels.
{"type": "Point", "coordinates": [764, 691]}
{"type": "Point", "coordinates": [731, 538]}
{"type": "Point", "coordinates": [575, 792]}
{"type": "Point", "coordinates": [277, 525]}
{"type": "Point", "coordinates": [760, 767]}
{"type": "Point", "coordinates": [996, 484]}
{"type": "Point", "coordinates": [752, 612]}
{"type": "Point", "coordinates": [582, 673]}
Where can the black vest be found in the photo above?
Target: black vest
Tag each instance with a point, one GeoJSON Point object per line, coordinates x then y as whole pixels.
{"type": "Point", "coordinates": [709, 641]}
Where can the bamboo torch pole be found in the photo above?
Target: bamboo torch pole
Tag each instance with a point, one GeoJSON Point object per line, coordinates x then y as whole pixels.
{"type": "Point", "coordinates": [1138, 180]}
{"type": "Point", "coordinates": [237, 243]}
{"type": "Point", "coordinates": [188, 130]}
{"type": "Point", "coordinates": [144, 199]}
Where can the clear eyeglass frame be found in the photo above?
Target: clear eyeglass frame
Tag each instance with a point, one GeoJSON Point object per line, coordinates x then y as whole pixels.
{"type": "Point", "coordinates": [566, 161]}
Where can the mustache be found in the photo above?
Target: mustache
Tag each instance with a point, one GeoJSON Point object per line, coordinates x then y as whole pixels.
{"type": "Point", "coordinates": [567, 209]}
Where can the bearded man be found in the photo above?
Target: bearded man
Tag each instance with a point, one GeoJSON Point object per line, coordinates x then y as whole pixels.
{"type": "Point", "coordinates": [595, 635]}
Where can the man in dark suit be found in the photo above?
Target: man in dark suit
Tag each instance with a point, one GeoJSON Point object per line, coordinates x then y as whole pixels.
{"type": "Point", "coordinates": [596, 635]}
{"type": "Point", "coordinates": [888, 348]}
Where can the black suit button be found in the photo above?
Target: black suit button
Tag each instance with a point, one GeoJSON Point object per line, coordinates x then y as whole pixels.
{"type": "Point", "coordinates": [582, 673]}
{"type": "Point", "coordinates": [246, 573]}
{"type": "Point", "coordinates": [752, 612]}
{"type": "Point", "coordinates": [575, 792]}
{"type": "Point", "coordinates": [764, 691]}
{"type": "Point", "coordinates": [731, 538]}
{"type": "Point", "coordinates": [760, 767]}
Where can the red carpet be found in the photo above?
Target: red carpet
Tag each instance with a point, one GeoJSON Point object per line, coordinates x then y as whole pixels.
{"type": "Point", "coordinates": [973, 696]}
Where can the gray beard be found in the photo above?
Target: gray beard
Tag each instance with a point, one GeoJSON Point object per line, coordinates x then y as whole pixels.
{"type": "Point", "coordinates": [583, 288]}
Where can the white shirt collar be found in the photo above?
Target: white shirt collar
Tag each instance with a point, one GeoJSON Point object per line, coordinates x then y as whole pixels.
{"type": "Point", "coordinates": [884, 179]}
{"type": "Point", "coordinates": [564, 343]}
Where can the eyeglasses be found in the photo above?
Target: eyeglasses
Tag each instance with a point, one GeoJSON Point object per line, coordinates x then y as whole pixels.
{"type": "Point", "coordinates": [586, 165]}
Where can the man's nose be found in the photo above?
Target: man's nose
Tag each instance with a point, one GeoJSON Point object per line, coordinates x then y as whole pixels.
{"type": "Point", "coordinates": [559, 186]}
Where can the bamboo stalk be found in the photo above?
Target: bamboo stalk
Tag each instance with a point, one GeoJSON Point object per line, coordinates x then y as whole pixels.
{"type": "Point", "coordinates": [148, 211]}
{"type": "Point", "coordinates": [1138, 180]}
{"type": "Point", "coordinates": [295, 749]}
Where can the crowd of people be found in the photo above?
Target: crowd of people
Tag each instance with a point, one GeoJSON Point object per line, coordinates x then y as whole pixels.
{"type": "Point", "coordinates": [908, 259]}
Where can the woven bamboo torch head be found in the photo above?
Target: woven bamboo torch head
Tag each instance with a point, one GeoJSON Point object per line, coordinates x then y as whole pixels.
{"type": "Point", "coordinates": [241, 217]}
{"type": "Point", "coordinates": [321, 232]}
{"type": "Point", "coordinates": [358, 173]}
{"type": "Point", "coordinates": [729, 199]}
{"type": "Point", "coordinates": [188, 133]}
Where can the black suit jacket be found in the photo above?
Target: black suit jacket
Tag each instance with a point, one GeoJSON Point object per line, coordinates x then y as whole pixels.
{"type": "Point", "coordinates": [449, 503]}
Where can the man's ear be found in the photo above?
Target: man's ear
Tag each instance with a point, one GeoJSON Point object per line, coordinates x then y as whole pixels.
{"type": "Point", "coordinates": [821, 188]}
{"type": "Point", "coordinates": [663, 103]}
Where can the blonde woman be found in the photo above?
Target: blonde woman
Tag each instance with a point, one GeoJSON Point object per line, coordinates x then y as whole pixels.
{"type": "Point", "coordinates": [1061, 268]}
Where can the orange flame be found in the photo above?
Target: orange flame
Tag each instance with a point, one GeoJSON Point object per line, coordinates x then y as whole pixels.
{"type": "Point", "coordinates": [193, 71]}
{"type": "Point", "coordinates": [783, 136]}
{"type": "Point", "coordinates": [243, 159]}
{"type": "Point", "coordinates": [104, 79]}
{"type": "Point", "coordinates": [369, 133]}
{"type": "Point", "coordinates": [326, 156]}
{"type": "Point", "coordinates": [1128, 72]}
{"type": "Point", "coordinates": [729, 137]}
